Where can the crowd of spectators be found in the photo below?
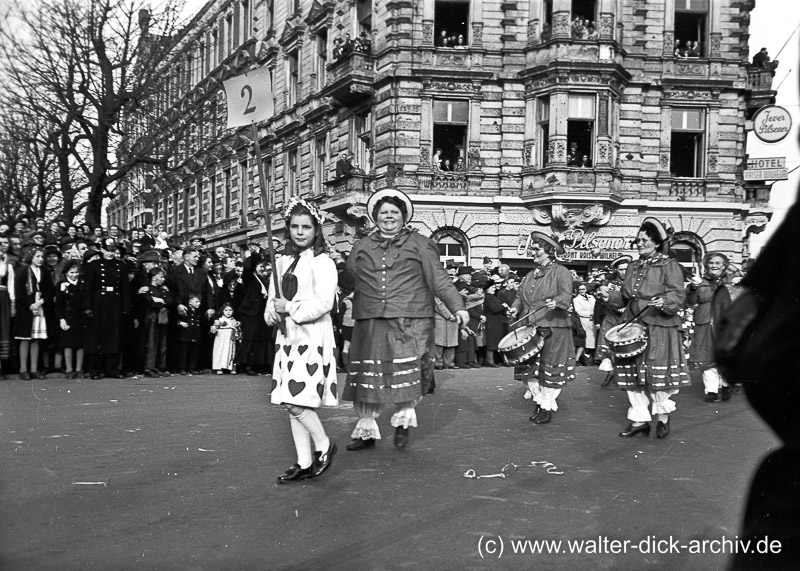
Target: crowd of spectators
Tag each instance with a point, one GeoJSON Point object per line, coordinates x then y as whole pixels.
{"type": "Point", "coordinates": [343, 47]}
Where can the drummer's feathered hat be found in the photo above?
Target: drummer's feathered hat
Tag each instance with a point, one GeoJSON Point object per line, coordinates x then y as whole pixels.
{"type": "Point", "coordinates": [550, 240]}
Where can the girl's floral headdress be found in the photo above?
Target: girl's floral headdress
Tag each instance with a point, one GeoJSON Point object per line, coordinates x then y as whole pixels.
{"type": "Point", "coordinates": [312, 208]}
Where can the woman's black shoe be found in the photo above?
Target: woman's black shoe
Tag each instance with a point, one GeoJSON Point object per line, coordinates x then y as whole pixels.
{"type": "Point", "coordinates": [536, 410]}
{"type": "Point", "coordinates": [400, 437]}
{"type": "Point", "coordinates": [543, 417]}
{"type": "Point", "coordinates": [662, 429]}
{"type": "Point", "coordinates": [323, 460]}
{"type": "Point", "coordinates": [295, 473]}
{"type": "Point", "coordinates": [607, 380]}
{"type": "Point", "coordinates": [634, 430]}
{"type": "Point", "coordinates": [361, 444]}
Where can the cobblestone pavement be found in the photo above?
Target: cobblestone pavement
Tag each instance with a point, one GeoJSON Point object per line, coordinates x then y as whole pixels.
{"type": "Point", "coordinates": [179, 473]}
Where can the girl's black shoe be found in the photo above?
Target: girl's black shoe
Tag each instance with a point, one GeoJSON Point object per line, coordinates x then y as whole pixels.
{"type": "Point", "coordinates": [295, 473]}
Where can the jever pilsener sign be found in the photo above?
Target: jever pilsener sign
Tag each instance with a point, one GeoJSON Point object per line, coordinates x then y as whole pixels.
{"type": "Point", "coordinates": [772, 124]}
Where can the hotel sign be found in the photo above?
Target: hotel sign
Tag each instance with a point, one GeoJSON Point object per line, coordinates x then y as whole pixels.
{"type": "Point", "coordinates": [771, 124]}
{"type": "Point", "coordinates": [766, 168]}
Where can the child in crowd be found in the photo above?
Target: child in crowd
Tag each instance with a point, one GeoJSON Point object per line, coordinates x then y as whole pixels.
{"type": "Point", "coordinates": [227, 332]}
{"type": "Point", "coordinates": [69, 311]}
{"type": "Point", "coordinates": [189, 337]}
{"type": "Point", "coordinates": [155, 314]}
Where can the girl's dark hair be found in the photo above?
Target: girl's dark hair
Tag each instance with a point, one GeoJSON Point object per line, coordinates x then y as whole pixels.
{"type": "Point", "coordinates": [31, 252]}
{"type": "Point", "coordinates": [71, 264]}
{"type": "Point", "coordinates": [224, 305]}
{"type": "Point", "coordinates": [319, 244]}
{"type": "Point", "coordinates": [393, 200]}
{"type": "Point", "coordinates": [155, 271]}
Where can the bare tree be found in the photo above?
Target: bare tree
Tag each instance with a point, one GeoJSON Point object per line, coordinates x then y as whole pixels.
{"type": "Point", "coordinates": [71, 67]}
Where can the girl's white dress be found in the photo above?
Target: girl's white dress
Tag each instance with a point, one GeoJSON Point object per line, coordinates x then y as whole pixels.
{"type": "Point", "coordinates": [304, 373]}
{"type": "Point", "coordinates": [225, 344]}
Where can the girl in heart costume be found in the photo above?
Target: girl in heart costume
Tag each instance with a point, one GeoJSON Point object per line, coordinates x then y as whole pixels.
{"type": "Point", "coordinates": [304, 373]}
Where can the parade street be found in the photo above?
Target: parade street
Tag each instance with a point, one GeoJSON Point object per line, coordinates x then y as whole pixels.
{"type": "Point", "coordinates": [180, 473]}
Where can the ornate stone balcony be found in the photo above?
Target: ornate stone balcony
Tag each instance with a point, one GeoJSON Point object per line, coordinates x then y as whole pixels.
{"type": "Point", "coordinates": [759, 83]}
{"type": "Point", "coordinates": [352, 182]}
{"type": "Point", "coordinates": [450, 182]}
{"type": "Point", "coordinates": [688, 189]}
{"type": "Point", "coordinates": [351, 78]}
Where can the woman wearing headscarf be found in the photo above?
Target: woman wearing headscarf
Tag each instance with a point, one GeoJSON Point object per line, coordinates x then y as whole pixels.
{"type": "Point", "coordinates": [652, 290]}
{"type": "Point", "coordinates": [397, 273]}
{"type": "Point", "coordinates": [546, 294]}
{"type": "Point", "coordinates": [710, 301]}
{"type": "Point", "coordinates": [255, 353]}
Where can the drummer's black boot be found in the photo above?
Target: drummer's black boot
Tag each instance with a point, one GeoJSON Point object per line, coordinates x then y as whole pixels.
{"type": "Point", "coordinates": [536, 410]}
{"type": "Point", "coordinates": [543, 417]}
{"type": "Point", "coordinates": [633, 430]}
{"type": "Point", "coordinates": [607, 380]}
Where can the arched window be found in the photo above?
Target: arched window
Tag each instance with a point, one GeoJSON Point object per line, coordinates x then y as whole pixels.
{"type": "Point", "coordinates": [453, 245]}
{"type": "Point", "coordinates": [687, 249]}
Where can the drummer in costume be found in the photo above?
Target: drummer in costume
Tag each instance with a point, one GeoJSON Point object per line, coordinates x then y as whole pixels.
{"type": "Point", "coordinates": [613, 316]}
{"type": "Point", "coordinates": [547, 292]}
{"type": "Point", "coordinates": [304, 373]}
{"type": "Point", "coordinates": [653, 285]}
{"type": "Point", "coordinates": [711, 297]}
{"type": "Point", "coordinates": [397, 274]}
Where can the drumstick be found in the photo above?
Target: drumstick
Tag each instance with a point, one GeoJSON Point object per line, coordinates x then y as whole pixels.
{"type": "Point", "coordinates": [528, 315]}
{"type": "Point", "coordinates": [632, 319]}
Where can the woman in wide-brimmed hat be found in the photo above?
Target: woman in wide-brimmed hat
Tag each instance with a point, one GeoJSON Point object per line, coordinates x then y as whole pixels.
{"type": "Point", "coordinates": [397, 273]}
{"type": "Point", "coordinates": [546, 294]}
{"type": "Point", "coordinates": [653, 285]}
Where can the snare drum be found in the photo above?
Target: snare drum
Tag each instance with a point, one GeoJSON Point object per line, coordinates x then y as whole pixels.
{"type": "Point", "coordinates": [627, 340]}
{"type": "Point", "coordinates": [520, 345]}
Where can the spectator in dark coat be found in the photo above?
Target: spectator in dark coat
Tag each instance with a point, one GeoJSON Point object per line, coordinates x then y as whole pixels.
{"type": "Point", "coordinates": [256, 350]}
{"type": "Point", "coordinates": [71, 322]}
{"type": "Point", "coordinates": [495, 323]}
{"type": "Point", "coordinates": [32, 286]}
{"type": "Point", "coordinates": [106, 297]}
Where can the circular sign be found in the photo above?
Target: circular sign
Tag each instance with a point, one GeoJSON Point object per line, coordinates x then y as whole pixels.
{"type": "Point", "coordinates": [771, 124]}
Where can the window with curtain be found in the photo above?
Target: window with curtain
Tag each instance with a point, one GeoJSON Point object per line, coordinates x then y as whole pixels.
{"type": "Point", "coordinates": [581, 117]}
{"type": "Point", "coordinates": [687, 142]}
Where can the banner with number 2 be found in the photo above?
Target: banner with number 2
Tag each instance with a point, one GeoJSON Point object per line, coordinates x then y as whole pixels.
{"type": "Point", "coordinates": [249, 98]}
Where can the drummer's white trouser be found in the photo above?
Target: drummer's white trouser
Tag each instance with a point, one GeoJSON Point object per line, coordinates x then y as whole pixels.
{"type": "Point", "coordinates": [713, 381]}
{"type": "Point", "coordinates": [545, 397]}
{"type": "Point", "coordinates": [639, 410]}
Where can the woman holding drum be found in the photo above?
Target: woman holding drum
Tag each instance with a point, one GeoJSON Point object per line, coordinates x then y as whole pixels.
{"type": "Point", "coordinates": [650, 363]}
{"type": "Point", "coordinates": [542, 302]}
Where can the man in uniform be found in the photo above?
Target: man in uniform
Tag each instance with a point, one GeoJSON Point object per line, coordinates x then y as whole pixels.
{"type": "Point", "coordinates": [107, 297]}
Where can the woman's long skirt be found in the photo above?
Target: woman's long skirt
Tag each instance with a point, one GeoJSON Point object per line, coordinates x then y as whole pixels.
{"type": "Point", "coordinates": [391, 360]}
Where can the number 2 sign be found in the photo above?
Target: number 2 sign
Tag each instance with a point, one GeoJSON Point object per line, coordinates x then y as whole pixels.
{"type": "Point", "coordinates": [249, 98]}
